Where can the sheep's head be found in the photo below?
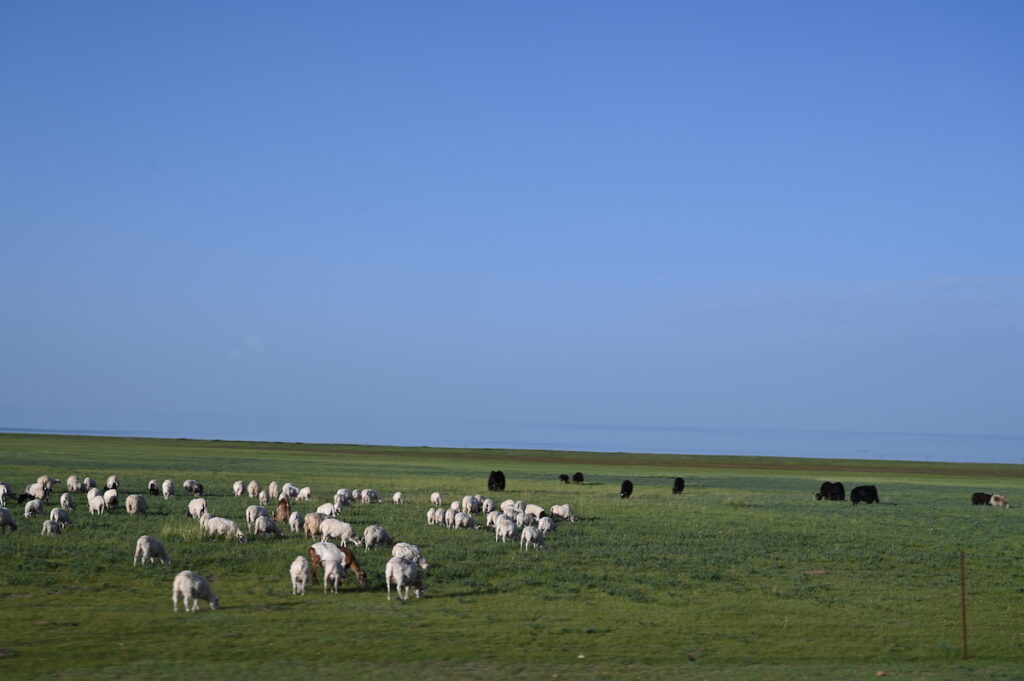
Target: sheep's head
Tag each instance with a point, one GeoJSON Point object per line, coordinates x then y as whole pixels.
{"type": "Point", "coordinates": [214, 603]}
{"type": "Point", "coordinates": [361, 578]}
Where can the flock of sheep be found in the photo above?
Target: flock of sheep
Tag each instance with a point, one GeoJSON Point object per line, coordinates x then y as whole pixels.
{"type": "Point", "coordinates": [405, 569]}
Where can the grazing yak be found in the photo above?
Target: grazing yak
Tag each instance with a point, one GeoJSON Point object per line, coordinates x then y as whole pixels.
{"type": "Point", "coordinates": [626, 490]}
{"type": "Point", "coordinates": [577, 478]}
{"type": "Point", "coordinates": [496, 481]}
{"type": "Point", "coordinates": [564, 478]}
{"type": "Point", "coordinates": [980, 499]}
{"type": "Point", "coordinates": [866, 493]}
{"type": "Point", "coordinates": [678, 485]}
{"type": "Point", "coordinates": [831, 491]}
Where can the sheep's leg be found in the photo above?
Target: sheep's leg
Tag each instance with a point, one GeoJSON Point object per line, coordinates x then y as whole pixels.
{"type": "Point", "coordinates": [389, 589]}
{"type": "Point", "coordinates": [174, 600]}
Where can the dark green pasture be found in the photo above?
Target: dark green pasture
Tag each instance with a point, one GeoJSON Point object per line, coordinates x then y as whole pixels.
{"type": "Point", "coordinates": [742, 577]}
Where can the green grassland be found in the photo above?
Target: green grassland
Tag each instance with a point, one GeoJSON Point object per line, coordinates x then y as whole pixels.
{"type": "Point", "coordinates": [743, 576]}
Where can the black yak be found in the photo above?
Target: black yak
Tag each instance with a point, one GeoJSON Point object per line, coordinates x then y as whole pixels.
{"type": "Point", "coordinates": [626, 490]}
{"type": "Point", "coordinates": [832, 491]}
{"type": "Point", "coordinates": [496, 481]}
{"type": "Point", "coordinates": [980, 499]}
{"type": "Point", "coordinates": [866, 493]}
{"type": "Point", "coordinates": [577, 478]}
{"type": "Point", "coordinates": [564, 478]}
{"type": "Point", "coordinates": [678, 485]}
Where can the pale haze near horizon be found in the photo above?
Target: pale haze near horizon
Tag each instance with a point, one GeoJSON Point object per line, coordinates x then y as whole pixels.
{"type": "Point", "coordinates": [460, 223]}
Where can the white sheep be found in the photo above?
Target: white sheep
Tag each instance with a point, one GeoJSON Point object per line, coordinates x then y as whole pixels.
{"type": "Point", "coordinates": [507, 506]}
{"type": "Point", "coordinates": [332, 528]}
{"type": "Point", "coordinates": [299, 572]}
{"type": "Point", "coordinates": [334, 571]}
{"type": "Point", "coordinates": [455, 506]}
{"type": "Point", "coordinates": [397, 498]}
{"type": "Point", "coordinates": [192, 587]}
{"type": "Point", "coordinates": [290, 490]}
{"type": "Point", "coordinates": [167, 489]}
{"type": "Point", "coordinates": [411, 553]}
{"type": "Point", "coordinates": [253, 489]}
{"type": "Point", "coordinates": [344, 497]}
{"type": "Point", "coordinates": [546, 525]}
{"type": "Point", "coordinates": [263, 497]}
{"type": "Point", "coordinates": [73, 484]}
{"type": "Point", "coordinates": [37, 490]}
{"type": "Point", "coordinates": [504, 528]}
{"type": "Point", "coordinates": [34, 508]}
{"type": "Point", "coordinates": [563, 511]}
{"type": "Point", "coordinates": [374, 535]}
{"type": "Point", "coordinates": [238, 488]}
{"type": "Point", "coordinates": [113, 482]}
{"type": "Point", "coordinates": [196, 508]}
{"type": "Point", "coordinates": [93, 492]}
{"type": "Point", "coordinates": [96, 505]}
{"type": "Point", "coordinates": [7, 520]}
{"type": "Point", "coordinates": [492, 518]}
{"type": "Point", "coordinates": [192, 487]}
{"type": "Point", "coordinates": [531, 535]}
{"type": "Point", "coordinates": [135, 504]}
{"type": "Point", "coordinates": [150, 548]}
{"type": "Point", "coordinates": [295, 521]}
{"type": "Point", "coordinates": [327, 509]}
{"type": "Point", "coordinates": [216, 526]}
{"type": "Point", "coordinates": [60, 516]}
{"type": "Point", "coordinates": [66, 502]}
{"type": "Point", "coordinates": [369, 496]}
{"type": "Point", "coordinates": [50, 527]}
{"type": "Point", "coordinates": [430, 515]}
{"type": "Point", "coordinates": [470, 504]}
{"type": "Point", "coordinates": [535, 510]}
{"type": "Point", "coordinates": [523, 519]}
{"type": "Point", "coordinates": [266, 525]}
{"type": "Point", "coordinates": [402, 573]}
{"type": "Point", "coordinates": [305, 494]}
{"type": "Point", "coordinates": [311, 524]}
{"type": "Point", "coordinates": [89, 483]}
{"type": "Point", "coordinates": [465, 521]}
{"type": "Point", "coordinates": [487, 505]}
{"type": "Point", "coordinates": [273, 489]}
{"type": "Point", "coordinates": [435, 499]}
{"type": "Point", "coordinates": [110, 498]}
{"type": "Point", "coordinates": [252, 513]}
{"type": "Point", "coordinates": [449, 517]}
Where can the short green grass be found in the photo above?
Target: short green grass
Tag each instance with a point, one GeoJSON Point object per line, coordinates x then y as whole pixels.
{"type": "Point", "coordinates": [743, 576]}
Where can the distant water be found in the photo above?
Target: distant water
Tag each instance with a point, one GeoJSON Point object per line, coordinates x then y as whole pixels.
{"type": "Point", "coordinates": [512, 435]}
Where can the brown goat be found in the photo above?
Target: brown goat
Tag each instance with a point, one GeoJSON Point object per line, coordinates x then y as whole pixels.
{"type": "Point", "coordinates": [349, 561]}
{"type": "Point", "coordinates": [284, 510]}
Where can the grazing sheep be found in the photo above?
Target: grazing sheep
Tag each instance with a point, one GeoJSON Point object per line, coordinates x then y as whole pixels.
{"type": "Point", "coordinates": [167, 489]}
{"type": "Point", "coordinates": [563, 511]}
{"type": "Point", "coordinates": [470, 505]}
{"type": "Point", "coordinates": [192, 587]}
{"type": "Point", "coordinates": [135, 504]}
{"type": "Point", "coordinates": [50, 527]}
{"type": "Point", "coordinates": [431, 516]}
{"type": "Point", "coordinates": [305, 494]}
{"type": "Point", "coordinates": [369, 496]}
{"type": "Point", "coordinates": [397, 498]}
{"type": "Point", "coordinates": [96, 505]}
{"type": "Point", "coordinates": [403, 573]}
{"type": "Point", "coordinates": [37, 490]}
{"type": "Point", "coordinates": [535, 510]}
{"type": "Point", "coordinates": [253, 489]}
{"type": "Point", "coordinates": [238, 488]}
{"type": "Point", "coordinates": [523, 519]}
{"type": "Point", "coordinates": [89, 483]}
{"type": "Point", "coordinates": [333, 572]}
{"type": "Point", "coordinates": [999, 501]}
{"type": "Point", "coordinates": [411, 553]}
{"type": "Point", "coordinates": [492, 518]}
{"type": "Point", "coordinates": [254, 512]}
{"type": "Point", "coordinates": [332, 528]}
{"type": "Point", "coordinates": [487, 505]}
{"type": "Point", "coordinates": [153, 488]}
{"type": "Point", "coordinates": [289, 490]}
{"type": "Point", "coordinates": [545, 525]}
{"type": "Point", "coordinates": [327, 509]}
{"type": "Point", "coordinates": [93, 492]}
{"type": "Point", "coordinates": [311, 524]}
{"type": "Point", "coordinates": [504, 529]}
{"type": "Point", "coordinates": [299, 572]}
{"type": "Point", "coordinates": [455, 506]}
{"type": "Point", "coordinates": [531, 535]}
{"type": "Point", "coordinates": [344, 497]}
{"type": "Point", "coordinates": [113, 482]}
{"type": "Point", "coordinates": [66, 502]}
{"type": "Point", "coordinates": [151, 549]}
{"type": "Point", "coordinates": [73, 484]}
{"type": "Point", "coordinates": [274, 489]}
{"type": "Point", "coordinates": [507, 506]}
{"type": "Point", "coordinates": [34, 508]}
{"type": "Point", "coordinates": [110, 498]}
{"type": "Point", "coordinates": [435, 499]}
{"type": "Point", "coordinates": [263, 497]}
{"type": "Point", "coordinates": [223, 527]}
{"type": "Point", "coordinates": [322, 551]}
{"type": "Point", "coordinates": [193, 487]}
{"type": "Point", "coordinates": [47, 482]}
{"type": "Point", "coordinates": [196, 508]}
{"type": "Point", "coordinates": [375, 535]}
{"type": "Point", "coordinates": [449, 517]}
{"type": "Point", "coordinates": [465, 521]}
{"type": "Point", "coordinates": [265, 525]}
{"type": "Point", "coordinates": [5, 491]}
{"type": "Point", "coordinates": [295, 521]}
{"type": "Point", "coordinates": [7, 520]}
{"type": "Point", "coordinates": [60, 516]}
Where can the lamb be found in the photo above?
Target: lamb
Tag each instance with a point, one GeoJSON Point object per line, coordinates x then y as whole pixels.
{"type": "Point", "coordinates": [332, 528]}
{"type": "Point", "coordinates": [196, 508]}
{"type": "Point", "coordinates": [34, 508]}
{"type": "Point", "coordinates": [305, 494]}
{"type": "Point", "coordinates": [96, 505]}
{"type": "Point", "coordinates": [299, 572]}
{"type": "Point", "coordinates": [110, 498]}
{"type": "Point", "coordinates": [150, 548]}
{"type": "Point", "coordinates": [563, 511]}
{"type": "Point", "coordinates": [191, 586]}
{"type": "Point", "coordinates": [402, 573]}
{"type": "Point", "coordinates": [535, 510]}
{"type": "Point", "coordinates": [66, 502]}
{"type": "Point", "coordinates": [295, 521]}
{"type": "Point", "coordinates": [411, 553]}
{"type": "Point", "coordinates": [60, 516]}
{"type": "Point", "coordinates": [265, 525]}
{"type": "Point", "coordinates": [254, 512]}
{"type": "Point", "coordinates": [216, 526]}
{"type": "Point", "coordinates": [167, 489]}
{"type": "Point", "coordinates": [7, 520]}
{"type": "Point", "coordinates": [397, 498]}
{"type": "Point", "coordinates": [545, 525]}
{"type": "Point", "coordinates": [253, 489]}
{"type": "Point", "coordinates": [531, 535]}
{"type": "Point", "coordinates": [504, 529]}
{"type": "Point", "coordinates": [135, 504]}
{"type": "Point", "coordinates": [435, 499]}
{"type": "Point", "coordinates": [374, 535]}
{"type": "Point", "coordinates": [113, 482]}
{"type": "Point", "coordinates": [50, 527]}
{"type": "Point", "coordinates": [311, 524]}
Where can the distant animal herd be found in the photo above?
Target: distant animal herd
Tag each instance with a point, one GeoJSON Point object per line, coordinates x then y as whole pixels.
{"type": "Point", "coordinates": [406, 567]}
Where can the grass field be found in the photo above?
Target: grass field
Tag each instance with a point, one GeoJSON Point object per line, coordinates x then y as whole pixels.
{"type": "Point", "coordinates": [743, 576]}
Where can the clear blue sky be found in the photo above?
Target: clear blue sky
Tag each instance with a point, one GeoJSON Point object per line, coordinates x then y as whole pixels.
{"type": "Point", "coordinates": [293, 220]}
